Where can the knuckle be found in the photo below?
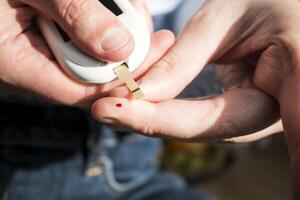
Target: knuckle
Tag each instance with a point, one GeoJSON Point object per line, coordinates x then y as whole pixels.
{"type": "Point", "coordinates": [169, 62]}
{"type": "Point", "coordinates": [82, 18]}
{"type": "Point", "coordinates": [147, 130]}
{"type": "Point", "coordinates": [150, 127]}
{"type": "Point", "coordinates": [75, 12]}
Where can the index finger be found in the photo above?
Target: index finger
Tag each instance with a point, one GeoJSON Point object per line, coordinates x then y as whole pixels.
{"type": "Point", "coordinates": [193, 50]}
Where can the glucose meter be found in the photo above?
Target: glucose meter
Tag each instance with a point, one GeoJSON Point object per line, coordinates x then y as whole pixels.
{"type": "Point", "coordinates": [85, 68]}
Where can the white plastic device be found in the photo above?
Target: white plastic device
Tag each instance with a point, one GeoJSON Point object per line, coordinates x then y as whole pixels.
{"type": "Point", "coordinates": [83, 67]}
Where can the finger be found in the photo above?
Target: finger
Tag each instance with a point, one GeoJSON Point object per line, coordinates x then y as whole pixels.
{"type": "Point", "coordinates": [160, 43]}
{"type": "Point", "coordinates": [91, 26]}
{"type": "Point", "coordinates": [272, 130]}
{"type": "Point", "coordinates": [53, 83]}
{"type": "Point", "coordinates": [238, 112]}
{"type": "Point", "coordinates": [194, 48]}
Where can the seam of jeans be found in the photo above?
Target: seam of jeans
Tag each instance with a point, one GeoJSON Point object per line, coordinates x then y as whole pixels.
{"type": "Point", "coordinates": [121, 187]}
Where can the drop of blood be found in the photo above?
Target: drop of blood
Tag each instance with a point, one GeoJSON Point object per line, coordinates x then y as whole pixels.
{"type": "Point", "coordinates": [119, 105]}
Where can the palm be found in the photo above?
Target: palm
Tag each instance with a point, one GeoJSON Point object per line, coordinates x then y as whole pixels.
{"type": "Point", "coordinates": [27, 56]}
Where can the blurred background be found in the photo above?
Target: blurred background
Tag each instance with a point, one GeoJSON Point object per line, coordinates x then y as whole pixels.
{"type": "Point", "coordinates": [257, 171]}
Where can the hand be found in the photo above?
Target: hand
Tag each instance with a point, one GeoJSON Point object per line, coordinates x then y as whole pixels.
{"type": "Point", "coordinates": [260, 35]}
{"type": "Point", "coordinates": [237, 76]}
{"type": "Point", "coordinates": [213, 35]}
{"type": "Point", "coordinates": [26, 63]}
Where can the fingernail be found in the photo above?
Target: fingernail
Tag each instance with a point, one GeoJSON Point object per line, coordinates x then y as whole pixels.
{"type": "Point", "coordinates": [114, 39]}
{"type": "Point", "coordinates": [108, 120]}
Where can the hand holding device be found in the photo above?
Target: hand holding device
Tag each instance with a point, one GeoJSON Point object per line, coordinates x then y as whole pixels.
{"type": "Point", "coordinates": [87, 69]}
{"type": "Point", "coordinates": [28, 66]}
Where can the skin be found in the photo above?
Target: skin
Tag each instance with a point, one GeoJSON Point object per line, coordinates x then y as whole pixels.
{"type": "Point", "coordinates": [257, 48]}
{"type": "Point", "coordinates": [24, 55]}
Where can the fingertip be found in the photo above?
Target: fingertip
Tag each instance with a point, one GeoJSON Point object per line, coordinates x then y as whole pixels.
{"type": "Point", "coordinates": [168, 33]}
{"type": "Point", "coordinates": [108, 108]}
{"type": "Point", "coordinates": [122, 110]}
{"type": "Point", "coordinates": [165, 38]}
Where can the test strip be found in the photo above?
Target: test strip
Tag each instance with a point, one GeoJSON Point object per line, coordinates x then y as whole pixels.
{"type": "Point", "coordinates": [125, 75]}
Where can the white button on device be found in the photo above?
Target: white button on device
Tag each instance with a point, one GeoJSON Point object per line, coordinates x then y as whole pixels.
{"type": "Point", "coordinates": [83, 67]}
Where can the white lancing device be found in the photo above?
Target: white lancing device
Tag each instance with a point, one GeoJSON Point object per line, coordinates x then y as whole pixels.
{"type": "Point", "coordinates": [87, 69]}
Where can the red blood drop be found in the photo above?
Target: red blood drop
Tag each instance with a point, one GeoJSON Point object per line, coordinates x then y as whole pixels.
{"type": "Point", "coordinates": [119, 105]}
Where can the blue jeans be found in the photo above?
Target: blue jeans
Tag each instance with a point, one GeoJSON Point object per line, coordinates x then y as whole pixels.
{"type": "Point", "coordinates": [50, 152]}
{"type": "Point", "coordinates": [44, 157]}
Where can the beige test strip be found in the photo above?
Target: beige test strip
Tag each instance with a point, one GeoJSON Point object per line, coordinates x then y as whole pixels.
{"type": "Point", "coordinates": [125, 75]}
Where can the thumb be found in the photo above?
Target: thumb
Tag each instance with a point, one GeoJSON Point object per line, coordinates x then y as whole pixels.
{"type": "Point", "coordinates": [235, 113]}
{"type": "Point", "coordinates": [194, 48]}
{"type": "Point", "coordinates": [92, 27]}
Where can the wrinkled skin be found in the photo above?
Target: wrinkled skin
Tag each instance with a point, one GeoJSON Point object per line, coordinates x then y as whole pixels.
{"type": "Point", "coordinates": [257, 46]}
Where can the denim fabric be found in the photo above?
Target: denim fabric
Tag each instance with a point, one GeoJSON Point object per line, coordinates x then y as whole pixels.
{"type": "Point", "coordinates": [128, 167]}
{"type": "Point", "coordinates": [56, 153]}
